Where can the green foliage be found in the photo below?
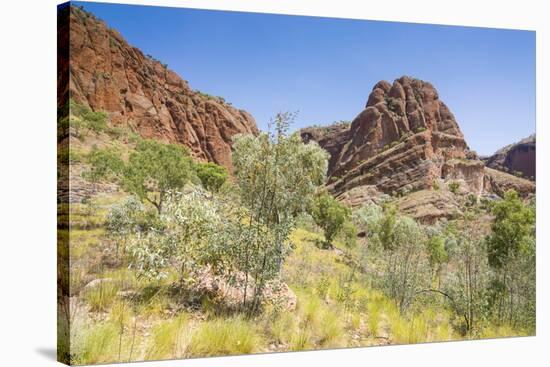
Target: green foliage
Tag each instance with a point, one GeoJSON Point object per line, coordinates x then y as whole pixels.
{"type": "Point", "coordinates": [349, 233]}
{"type": "Point", "coordinates": [277, 176]}
{"type": "Point", "coordinates": [211, 175]}
{"type": "Point", "coordinates": [437, 254]}
{"type": "Point", "coordinates": [330, 215]}
{"type": "Point", "coordinates": [152, 171]}
{"type": "Point", "coordinates": [511, 228]}
{"type": "Point", "coordinates": [127, 218]}
{"type": "Point", "coordinates": [511, 253]}
{"type": "Point", "coordinates": [386, 228]}
{"type": "Point", "coordinates": [83, 118]}
{"type": "Point", "coordinates": [105, 164]}
{"type": "Point", "coordinates": [403, 258]}
{"type": "Point", "coordinates": [466, 287]}
{"type": "Point", "coordinates": [454, 186]}
{"type": "Point", "coordinates": [191, 229]}
{"type": "Point", "coordinates": [96, 121]}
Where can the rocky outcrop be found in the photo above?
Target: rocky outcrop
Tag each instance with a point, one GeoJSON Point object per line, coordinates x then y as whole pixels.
{"type": "Point", "coordinates": [401, 139]}
{"type": "Point", "coordinates": [470, 174]}
{"type": "Point", "coordinates": [518, 159]}
{"type": "Point", "coordinates": [428, 206]}
{"type": "Point", "coordinates": [405, 140]}
{"type": "Point", "coordinates": [106, 73]}
{"type": "Point", "coordinates": [499, 182]}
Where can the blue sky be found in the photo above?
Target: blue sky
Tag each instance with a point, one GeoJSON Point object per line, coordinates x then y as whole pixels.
{"type": "Point", "coordinates": [325, 68]}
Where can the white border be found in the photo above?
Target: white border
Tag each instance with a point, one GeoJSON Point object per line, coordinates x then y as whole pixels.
{"type": "Point", "coordinates": [28, 166]}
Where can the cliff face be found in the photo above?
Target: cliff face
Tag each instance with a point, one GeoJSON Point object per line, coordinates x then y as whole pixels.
{"type": "Point", "coordinates": [401, 140]}
{"type": "Point", "coordinates": [406, 139]}
{"type": "Point", "coordinates": [108, 74]}
{"type": "Point", "coordinates": [516, 158]}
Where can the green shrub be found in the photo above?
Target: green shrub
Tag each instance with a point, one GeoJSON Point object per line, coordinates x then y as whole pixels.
{"type": "Point", "coordinates": [454, 186]}
{"type": "Point", "coordinates": [212, 176]}
{"type": "Point", "coordinates": [95, 121]}
{"type": "Point", "coordinates": [330, 215]}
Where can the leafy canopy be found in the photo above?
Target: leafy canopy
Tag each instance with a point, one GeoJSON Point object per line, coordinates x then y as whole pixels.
{"type": "Point", "coordinates": [152, 171]}
{"type": "Point", "coordinates": [330, 215]}
{"type": "Point", "coordinates": [212, 176]}
{"type": "Point", "coordinates": [514, 222]}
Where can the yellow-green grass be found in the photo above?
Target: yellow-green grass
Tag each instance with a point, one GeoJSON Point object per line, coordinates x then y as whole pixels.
{"type": "Point", "coordinates": [169, 339]}
{"type": "Point", "coordinates": [113, 340]}
{"type": "Point", "coordinates": [225, 336]}
{"type": "Point", "coordinates": [101, 296]}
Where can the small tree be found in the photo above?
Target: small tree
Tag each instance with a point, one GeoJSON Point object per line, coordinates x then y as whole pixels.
{"type": "Point", "coordinates": [105, 164]}
{"type": "Point", "coordinates": [399, 243]}
{"type": "Point", "coordinates": [437, 255]}
{"type": "Point", "coordinates": [466, 287]}
{"type": "Point", "coordinates": [128, 218]}
{"type": "Point", "coordinates": [330, 215]}
{"type": "Point", "coordinates": [511, 227]}
{"type": "Point", "coordinates": [185, 240]}
{"type": "Point", "coordinates": [152, 171]}
{"type": "Point", "coordinates": [277, 176]}
{"type": "Point", "coordinates": [212, 176]}
{"type": "Point", "coordinates": [511, 254]}
{"type": "Point", "coordinates": [386, 227]}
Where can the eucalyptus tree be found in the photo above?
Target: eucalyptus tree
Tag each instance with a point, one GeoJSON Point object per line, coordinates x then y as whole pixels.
{"type": "Point", "coordinates": [276, 175]}
{"type": "Point", "coordinates": [511, 254]}
{"type": "Point", "coordinates": [330, 215]}
{"type": "Point", "coordinates": [152, 171]}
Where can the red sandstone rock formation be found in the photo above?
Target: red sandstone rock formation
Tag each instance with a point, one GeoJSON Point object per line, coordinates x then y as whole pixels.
{"type": "Point", "coordinates": [406, 139]}
{"type": "Point", "coordinates": [518, 158]}
{"type": "Point", "coordinates": [108, 74]}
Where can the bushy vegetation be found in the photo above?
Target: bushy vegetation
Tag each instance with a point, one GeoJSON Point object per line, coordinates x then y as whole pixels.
{"type": "Point", "coordinates": [456, 264]}
{"type": "Point", "coordinates": [330, 215]}
{"type": "Point", "coordinates": [180, 224]}
{"type": "Point", "coordinates": [211, 175]}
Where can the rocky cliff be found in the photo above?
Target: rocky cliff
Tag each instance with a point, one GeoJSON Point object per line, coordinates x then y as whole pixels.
{"type": "Point", "coordinates": [136, 90]}
{"type": "Point", "coordinates": [518, 159]}
{"type": "Point", "coordinates": [405, 140]}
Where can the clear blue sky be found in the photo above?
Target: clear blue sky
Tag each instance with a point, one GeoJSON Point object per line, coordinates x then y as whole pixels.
{"type": "Point", "coordinates": [325, 68]}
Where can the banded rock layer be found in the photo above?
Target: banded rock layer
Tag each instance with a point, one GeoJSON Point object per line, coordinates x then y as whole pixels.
{"type": "Point", "coordinates": [405, 140]}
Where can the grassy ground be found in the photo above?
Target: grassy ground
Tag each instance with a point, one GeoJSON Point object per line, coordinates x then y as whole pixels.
{"type": "Point", "coordinates": [123, 318]}
{"type": "Point", "coordinates": [130, 319]}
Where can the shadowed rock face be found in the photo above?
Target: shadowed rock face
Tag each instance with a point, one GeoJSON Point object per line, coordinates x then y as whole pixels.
{"type": "Point", "coordinates": [406, 139]}
{"type": "Point", "coordinates": [518, 157]}
{"type": "Point", "coordinates": [108, 74]}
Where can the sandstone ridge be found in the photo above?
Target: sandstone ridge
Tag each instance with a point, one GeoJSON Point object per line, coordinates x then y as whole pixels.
{"type": "Point", "coordinates": [138, 91]}
{"type": "Point", "coordinates": [405, 140]}
{"type": "Point", "coordinates": [518, 159]}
